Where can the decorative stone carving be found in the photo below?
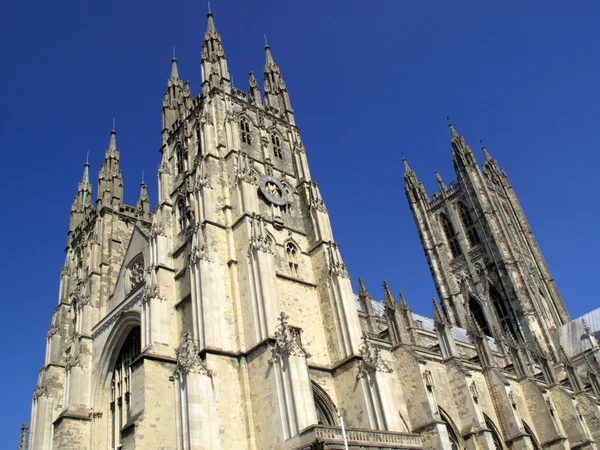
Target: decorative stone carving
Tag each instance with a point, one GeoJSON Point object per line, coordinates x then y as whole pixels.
{"type": "Point", "coordinates": [136, 272]}
{"type": "Point", "coordinates": [287, 341]}
{"type": "Point", "coordinates": [202, 180]}
{"type": "Point", "coordinates": [151, 292]}
{"type": "Point", "coordinates": [371, 359]}
{"type": "Point", "coordinates": [72, 361]}
{"type": "Point", "coordinates": [315, 201]}
{"type": "Point", "coordinates": [163, 168]}
{"type": "Point", "coordinates": [64, 271]}
{"type": "Point", "coordinates": [157, 229]}
{"type": "Point", "coordinates": [245, 170]}
{"type": "Point", "coordinates": [52, 330]}
{"type": "Point", "coordinates": [474, 391]}
{"type": "Point", "coordinates": [40, 390]}
{"type": "Point", "coordinates": [336, 266]}
{"type": "Point", "coordinates": [299, 147]}
{"type": "Point", "coordinates": [259, 239]}
{"type": "Point", "coordinates": [428, 380]}
{"type": "Point", "coordinates": [198, 254]}
{"type": "Point", "coordinates": [188, 359]}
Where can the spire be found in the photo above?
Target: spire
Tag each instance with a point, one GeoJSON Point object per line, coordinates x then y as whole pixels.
{"type": "Point", "coordinates": [143, 204]}
{"type": "Point", "coordinates": [215, 73]}
{"type": "Point", "coordinates": [438, 316]}
{"type": "Point", "coordinates": [462, 152]}
{"type": "Point", "coordinates": [485, 152]}
{"type": "Point", "coordinates": [407, 169]}
{"type": "Point", "coordinates": [254, 90]}
{"type": "Point", "coordinates": [440, 182]}
{"type": "Point", "coordinates": [276, 94]}
{"type": "Point", "coordinates": [174, 71]}
{"type": "Point", "coordinates": [362, 290]}
{"type": "Point", "coordinates": [388, 297]}
{"type": "Point", "coordinates": [403, 302]}
{"type": "Point", "coordinates": [110, 180]}
{"type": "Point", "coordinates": [83, 200]}
{"type": "Point", "coordinates": [113, 140]}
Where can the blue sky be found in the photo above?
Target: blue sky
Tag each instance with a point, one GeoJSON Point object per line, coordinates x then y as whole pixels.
{"type": "Point", "coordinates": [368, 80]}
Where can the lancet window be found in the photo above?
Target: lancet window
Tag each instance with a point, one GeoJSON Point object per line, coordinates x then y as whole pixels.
{"type": "Point", "coordinates": [181, 214]}
{"type": "Point", "coordinates": [245, 130]}
{"type": "Point", "coordinates": [179, 159]}
{"type": "Point", "coordinates": [534, 441]}
{"type": "Point", "coordinates": [455, 441]}
{"type": "Point", "coordinates": [292, 257]}
{"type": "Point", "coordinates": [121, 386]}
{"type": "Point", "coordinates": [502, 309]}
{"type": "Point", "coordinates": [450, 236]}
{"type": "Point", "coordinates": [276, 146]}
{"type": "Point", "coordinates": [468, 224]}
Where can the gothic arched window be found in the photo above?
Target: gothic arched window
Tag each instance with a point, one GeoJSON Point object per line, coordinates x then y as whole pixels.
{"type": "Point", "coordinates": [534, 441]}
{"type": "Point", "coordinates": [276, 146]}
{"type": "Point", "coordinates": [120, 402]}
{"type": "Point", "coordinates": [326, 410]}
{"type": "Point", "coordinates": [292, 258]}
{"type": "Point", "coordinates": [498, 442]}
{"type": "Point", "coordinates": [245, 130]}
{"type": "Point", "coordinates": [453, 435]}
{"type": "Point", "coordinates": [181, 213]}
{"type": "Point", "coordinates": [468, 224]}
{"type": "Point", "coordinates": [479, 315]}
{"type": "Point", "coordinates": [450, 235]}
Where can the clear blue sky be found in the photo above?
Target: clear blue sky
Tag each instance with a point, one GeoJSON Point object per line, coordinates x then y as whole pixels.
{"type": "Point", "coordinates": [367, 79]}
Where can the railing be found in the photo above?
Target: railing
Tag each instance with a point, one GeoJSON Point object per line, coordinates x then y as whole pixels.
{"type": "Point", "coordinates": [364, 438]}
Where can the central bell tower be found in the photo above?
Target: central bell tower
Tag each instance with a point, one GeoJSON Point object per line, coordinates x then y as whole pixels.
{"type": "Point", "coordinates": [482, 253]}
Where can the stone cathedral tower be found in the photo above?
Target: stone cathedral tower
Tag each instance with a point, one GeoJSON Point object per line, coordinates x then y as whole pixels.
{"type": "Point", "coordinates": [482, 254]}
{"type": "Point", "coordinates": [224, 318]}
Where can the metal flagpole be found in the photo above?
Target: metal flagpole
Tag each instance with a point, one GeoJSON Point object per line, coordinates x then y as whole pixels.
{"type": "Point", "coordinates": [344, 432]}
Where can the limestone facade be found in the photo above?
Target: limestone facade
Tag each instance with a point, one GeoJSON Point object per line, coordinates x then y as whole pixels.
{"type": "Point", "coordinates": [225, 318]}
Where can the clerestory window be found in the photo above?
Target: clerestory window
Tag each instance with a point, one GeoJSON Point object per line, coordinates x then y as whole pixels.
{"type": "Point", "coordinates": [120, 405]}
{"type": "Point", "coordinates": [468, 225]}
{"type": "Point", "coordinates": [450, 236]}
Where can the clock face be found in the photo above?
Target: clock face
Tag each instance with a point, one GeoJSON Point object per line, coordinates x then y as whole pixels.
{"type": "Point", "coordinates": [273, 190]}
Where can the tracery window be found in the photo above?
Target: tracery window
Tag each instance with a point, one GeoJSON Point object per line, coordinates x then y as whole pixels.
{"type": "Point", "coordinates": [181, 213]}
{"type": "Point", "coordinates": [276, 146]}
{"type": "Point", "coordinates": [245, 130]}
{"type": "Point", "coordinates": [468, 224]}
{"type": "Point", "coordinates": [503, 311]}
{"type": "Point", "coordinates": [292, 257]}
{"type": "Point", "coordinates": [135, 272]}
{"type": "Point", "coordinates": [120, 404]}
{"type": "Point", "coordinates": [450, 236]}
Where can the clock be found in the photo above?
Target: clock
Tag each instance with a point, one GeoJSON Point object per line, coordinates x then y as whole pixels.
{"type": "Point", "coordinates": [273, 190]}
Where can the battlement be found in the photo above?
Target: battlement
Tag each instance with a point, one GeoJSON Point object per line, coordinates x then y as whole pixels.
{"type": "Point", "coordinates": [437, 197]}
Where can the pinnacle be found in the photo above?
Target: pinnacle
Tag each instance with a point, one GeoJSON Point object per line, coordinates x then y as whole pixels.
{"type": "Point", "coordinates": [113, 140]}
{"type": "Point", "coordinates": [403, 302]}
{"type": "Point", "coordinates": [388, 297]}
{"type": "Point", "coordinates": [452, 129]}
{"type": "Point", "coordinates": [211, 24]}
{"type": "Point", "coordinates": [174, 71]}
{"type": "Point", "coordinates": [407, 169]}
{"type": "Point", "coordinates": [362, 290]}
{"type": "Point", "coordinates": [485, 152]}
{"type": "Point", "coordinates": [438, 315]}
{"type": "Point", "coordinates": [270, 61]}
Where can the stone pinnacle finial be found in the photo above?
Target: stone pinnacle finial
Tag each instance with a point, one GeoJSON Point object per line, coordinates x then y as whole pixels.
{"type": "Point", "coordinates": [452, 130]}
{"type": "Point", "coordinates": [402, 300]}
{"type": "Point", "coordinates": [23, 438]}
{"type": "Point", "coordinates": [266, 43]}
{"type": "Point", "coordinates": [388, 297]}
{"type": "Point", "coordinates": [438, 315]}
{"type": "Point", "coordinates": [485, 152]}
{"type": "Point", "coordinates": [113, 138]}
{"type": "Point", "coordinates": [362, 290]}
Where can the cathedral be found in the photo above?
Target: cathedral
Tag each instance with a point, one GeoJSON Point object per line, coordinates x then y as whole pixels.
{"type": "Point", "coordinates": [224, 318]}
